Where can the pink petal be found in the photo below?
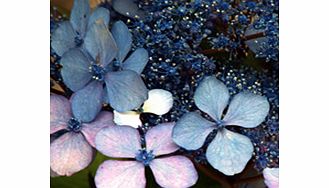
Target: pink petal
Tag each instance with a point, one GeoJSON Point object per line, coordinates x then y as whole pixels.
{"type": "Point", "coordinates": [174, 172]}
{"type": "Point", "coordinates": [60, 112]}
{"type": "Point", "coordinates": [118, 141]}
{"type": "Point", "coordinates": [159, 139]}
{"type": "Point", "coordinates": [70, 153]}
{"type": "Point", "coordinates": [90, 130]}
{"type": "Point", "coordinates": [120, 174]}
{"type": "Point", "coordinates": [271, 176]}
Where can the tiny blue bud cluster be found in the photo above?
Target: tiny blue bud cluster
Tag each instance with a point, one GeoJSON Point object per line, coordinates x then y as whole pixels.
{"type": "Point", "coordinates": [74, 125]}
{"type": "Point", "coordinates": [145, 157]}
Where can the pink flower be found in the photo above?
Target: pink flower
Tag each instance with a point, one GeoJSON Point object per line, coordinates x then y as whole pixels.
{"type": "Point", "coordinates": [72, 151]}
{"type": "Point", "coordinates": [271, 176]}
{"type": "Point", "coordinates": [125, 142]}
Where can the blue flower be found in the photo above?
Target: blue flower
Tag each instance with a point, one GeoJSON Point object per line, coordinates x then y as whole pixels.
{"type": "Point", "coordinates": [87, 70]}
{"type": "Point", "coordinates": [72, 33]}
{"type": "Point", "coordinates": [228, 152]}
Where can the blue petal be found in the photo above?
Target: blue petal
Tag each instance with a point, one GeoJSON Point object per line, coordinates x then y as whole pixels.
{"type": "Point", "coordinates": [79, 16]}
{"type": "Point", "coordinates": [75, 70]}
{"type": "Point", "coordinates": [123, 39]}
{"type": "Point", "coordinates": [211, 96]}
{"type": "Point", "coordinates": [99, 13]}
{"type": "Point", "coordinates": [247, 110]}
{"type": "Point", "coordinates": [137, 60]}
{"type": "Point", "coordinates": [127, 8]}
{"type": "Point", "coordinates": [87, 102]}
{"type": "Point", "coordinates": [126, 90]}
{"type": "Point", "coordinates": [229, 152]}
{"type": "Point", "coordinates": [191, 131]}
{"type": "Point", "coordinates": [62, 39]}
{"type": "Point", "coordinates": [100, 43]}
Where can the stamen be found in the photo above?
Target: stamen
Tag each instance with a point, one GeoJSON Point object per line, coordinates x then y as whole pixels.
{"type": "Point", "coordinates": [145, 157]}
{"type": "Point", "coordinates": [74, 125]}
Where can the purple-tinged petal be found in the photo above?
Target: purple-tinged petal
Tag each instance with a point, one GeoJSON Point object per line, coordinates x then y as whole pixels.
{"type": "Point", "coordinates": [100, 43]}
{"type": "Point", "coordinates": [75, 70]}
{"type": "Point", "coordinates": [191, 131]}
{"type": "Point", "coordinates": [69, 154]}
{"type": "Point", "coordinates": [174, 172]}
{"type": "Point", "coordinates": [123, 39]}
{"type": "Point", "coordinates": [60, 113]}
{"type": "Point", "coordinates": [128, 8]}
{"type": "Point", "coordinates": [271, 176]}
{"type": "Point", "coordinates": [137, 61]}
{"type": "Point", "coordinates": [229, 152]}
{"type": "Point", "coordinates": [62, 39]}
{"type": "Point", "coordinates": [159, 139]}
{"type": "Point", "coordinates": [211, 96]}
{"type": "Point", "coordinates": [99, 13]}
{"type": "Point", "coordinates": [118, 141]}
{"type": "Point", "coordinates": [126, 90]}
{"type": "Point", "coordinates": [247, 110]}
{"type": "Point", "coordinates": [90, 130]}
{"type": "Point", "coordinates": [79, 16]}
{"type": "Point", "coordinates": [120, 174]}
{"type": "Point", "coordinates": [87, 102]}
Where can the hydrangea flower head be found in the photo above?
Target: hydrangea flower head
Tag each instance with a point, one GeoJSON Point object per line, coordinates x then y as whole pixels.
{"type": "Point", "coordinates": [71, 34]}
{"type": "Point", "coordinates": [73, 151]}
{"type": "Point", "coordinates": [159, 102]}
{"type": "Point", "coordinates": [87, 72]}
{"type": "Point", "coordinates": [271, 176]}
{"type": "Point", "coordinates": [125, 142]}
{"type": "Point", "coordinates": [228, 152]}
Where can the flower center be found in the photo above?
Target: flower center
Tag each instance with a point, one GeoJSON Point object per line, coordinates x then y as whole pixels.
{"type": "Point", "coordinates": [74, 125]}
{"type": "Point", "coordinates": [144, 156]}
{"type": "Point", "coordinates": [97, 72]}
{"type": "Point", "coordinates": [220, 124]}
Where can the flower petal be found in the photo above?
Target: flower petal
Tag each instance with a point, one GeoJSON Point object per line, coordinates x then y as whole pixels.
{"type": "Point", "coordinates": [99, 42]}
{"type": "Point", "coordinates": [120, 174]}
{"type": "Point", "coordinates": [90, 130]}
{"type": "Point", "coordinates": [229, 152]}
{"type": "Point", "coordinates": [271, 176]}
{"type": "Point", "coordinates": [75, 70]}
{"type": "Point", "coordinates": [79, 16]}
{"type": "Point", "coordinates": [137, 61]}
{"type": "Point", "coordinates": [159, 139]}
{"type": "Point", "coordinates": [127, 8]}
{"type": "Point", "coordinates": [87, 102]}
{"type": "Point", "coordinates": [130, 118]}
{"type": "Point", "coordinates": [247, 110]}
{"type": "Point", "coordinates": [123, 39]}
{"type": "Point", "coordinates": [99, 13]}
{"type": "Point", "coordinates": [118, 141]}
{"type": "Point", "coordinates": [126, 90]}
{"type": "Point", "coordinates": [62, 39]}
{"type": "Point", "coordinates": [159, 102]}
{"type": "Point", "coordinates": [174, 172]}
{"type": "Point", "coordinates": [70, 153]}
{"type": "Point", "coordinates": [191, 131]}
{"type": "Point", "coordinates": [212, 97]}
{"type": "Point", "coordinates": [60, 113]}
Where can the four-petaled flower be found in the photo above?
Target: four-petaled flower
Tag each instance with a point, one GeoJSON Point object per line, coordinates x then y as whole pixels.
{"type": "Point", "coordinates": [71, 34]}
{"type": "Point", "coordinates": [271, 176]}
{"type": "Point", "coordinates": [125, 142]}
{"type": "Point", "coordinates": [87, 71]}
{"type": "Point", "coordinates": [73, 151]}
{"type": "Point", "coordinates": [159, 102]}
{"type": "Point", "coordinates": [228, 152]}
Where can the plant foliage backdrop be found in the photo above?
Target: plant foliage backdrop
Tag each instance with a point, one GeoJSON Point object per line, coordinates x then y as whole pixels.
{"type": "Point", "coordinates": [193, 84]}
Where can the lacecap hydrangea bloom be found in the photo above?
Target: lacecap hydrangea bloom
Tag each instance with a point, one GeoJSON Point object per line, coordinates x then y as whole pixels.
{"type": "Point", "coordinates": [228, 152]}
{"type": "Point", "coordinates": [73, 151]}
{"type": "Point", "coordinates": [125, 142]}
{"type": "Point", "coordinates": [159, 102]}
{"type": "Point", "coordinates": [87, 71]}
{"type": "Point", "coordinates": [271, 176]}
{"type": "Point", "coordinates": [72, 33]}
